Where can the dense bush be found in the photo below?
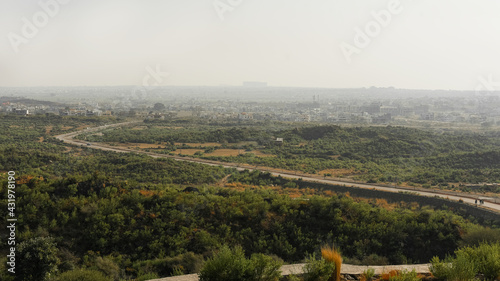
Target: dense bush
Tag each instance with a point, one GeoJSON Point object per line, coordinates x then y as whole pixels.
{"type": "Point", "coordinates": [169, 266]}
{"type": "Point", "coordinates": [478, 235]}
{"type": "Point", "coordinates": [317, 269]}
{"type": "Point", "coordinates": [232, 265]}
{"type": "Point", "coordinates": [405, 276]}
{"type": "Point", "coordinates": [37, 259]}
{"type": "Point", "coordinates": [82, 275]}
{"type": "Point", "coordinates": [469, 262]}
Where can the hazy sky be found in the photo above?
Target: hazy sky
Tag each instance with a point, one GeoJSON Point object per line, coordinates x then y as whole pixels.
{"type": "Point", "coordinates": [429, 44]}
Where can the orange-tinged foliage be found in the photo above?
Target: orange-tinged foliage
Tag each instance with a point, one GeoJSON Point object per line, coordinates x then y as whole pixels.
{"type": "Point", "coordinates": [387, 276]}
{"type": "Point", "coordinates": [140, 214]}
{"type": "Point", "coordinates": [147, 193]}
{"type": "Point", "coordinates": [384, 204]}
{"type": "Point", "coordinates": [422, 276]}
{"type": "Point", "coordinates": [187, 151]}
{"type": "Point", "coordinates": [337, 172]}
{"type": "Point", "coordinates": [24, 179]}
{"type": "Point", "coordinates": [240, 186]}
{"type": "Point", "coordinates": [328, 193]}
{"type": "Point", "coordinates": [331, 255]}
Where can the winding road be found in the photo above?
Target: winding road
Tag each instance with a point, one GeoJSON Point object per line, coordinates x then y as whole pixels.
{"type": "Point", "coordinates": [490, 203]}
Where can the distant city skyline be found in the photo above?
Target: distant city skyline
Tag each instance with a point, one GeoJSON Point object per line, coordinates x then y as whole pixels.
{"type": "Point", "coordinates": [448, 44]}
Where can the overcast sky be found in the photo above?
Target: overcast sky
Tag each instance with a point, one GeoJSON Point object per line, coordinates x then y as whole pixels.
{"type": "Point", "coordinates": [425, 44]}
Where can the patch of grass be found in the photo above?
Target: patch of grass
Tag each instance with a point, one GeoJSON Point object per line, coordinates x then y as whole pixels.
{"type": "Point", "coordinates": [367, 274]}
{"type": "Point", "coordinates": [405, 276]}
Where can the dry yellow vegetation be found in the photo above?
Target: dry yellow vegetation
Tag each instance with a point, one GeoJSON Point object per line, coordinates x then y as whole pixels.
{"type": "Point", "coordinates": [337, 172]}
{"type": "Point", "coordinates": [189, 151]}
{"type": "Point", "coordinates": [331, 255]}
{"type": "Point", "coordinates": [198, 144]}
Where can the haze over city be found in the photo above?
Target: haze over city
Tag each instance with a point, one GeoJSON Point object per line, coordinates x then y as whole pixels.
{"type": "Point", "coordinates": [426, 44]}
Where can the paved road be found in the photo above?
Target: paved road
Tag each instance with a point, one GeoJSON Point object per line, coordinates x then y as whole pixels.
{"type": "Point", "coordinates": [489, 202]}
{"type": "Point", "coordinates": [345, 269]}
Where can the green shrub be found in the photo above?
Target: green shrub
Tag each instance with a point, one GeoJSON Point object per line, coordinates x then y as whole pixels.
{"type": "Point", "coordinates": [37, 259]}
{"type": "Point", "coordinates": [478, 235]}
{"type": "Point", "coordinates": [405, 276]}
{"type": "Point", "coordinates": [227, 265]}
{"type": "Point", "coordinates": [375, 259]}
{"type": "Point", "coordinates": [458, 269]}
{"type": "Point", "coordinates": [440, 268]}
{"type": "Point", "coordinates": [147, 276]}
{"type": "Point", "coordinates": [178, 270]}
{"type": "Point", "coordinates": [231, 265]}
{"type": "Point", "coordinates": [317, 269]}
{"type": "Point", "coordinates": [4, 274]}
{"type": "Point", "coordinates": [485, 257]}
{"type": "Point", "coordinates": [292, 277]}
{"type": "Point", "coordinates": [265, 267]}
{"type": "Point", "coordinates": [468, 263]}
{"type": "Point", "coordinates": [369, 273]}
{"type": "Point", "coordinates": [82, 275]}
{"type": "Point", "coordinates": [170, 266]}
{"type": "Point", "coordinates": [108, 267]}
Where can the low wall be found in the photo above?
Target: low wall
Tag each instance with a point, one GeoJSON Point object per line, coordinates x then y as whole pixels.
{"type": "Point", "coordinates": [352, 271]}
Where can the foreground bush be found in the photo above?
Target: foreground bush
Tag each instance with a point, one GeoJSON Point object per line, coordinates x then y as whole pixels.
{"type": "Point", "coordinates": [469, 262]}
{"type": "Point", "coordinates": [405, 276]}
{"type": "Point", "coordinates": [485, 257]}
{"type": "Point", "coordinates": [318, 270]}
{"type": "Point", "coordinates": [82, 275]}
{"type": "Point", "coordinates": [232, 265]}
{"type": "Point", "coordinates": [170, 266]}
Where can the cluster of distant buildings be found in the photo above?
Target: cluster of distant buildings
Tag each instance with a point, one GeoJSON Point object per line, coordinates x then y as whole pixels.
{"type": "Point", "coordinates": [344, 112]}
{"type": "Point", "coordinates": [256, 101]}
{"type": "Point", "coordinates": [31, 108]}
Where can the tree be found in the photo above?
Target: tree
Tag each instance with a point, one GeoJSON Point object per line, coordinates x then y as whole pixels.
{"type": "Point", "coordinates": [159, 106]}
{"type": "Point", "coordinates": [37, 259]}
